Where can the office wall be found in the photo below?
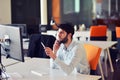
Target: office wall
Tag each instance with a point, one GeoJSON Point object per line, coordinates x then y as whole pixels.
{"type": "Point", "coordinates": [5, 11]}
{"type": "Point", "coordinates": [82, 17]}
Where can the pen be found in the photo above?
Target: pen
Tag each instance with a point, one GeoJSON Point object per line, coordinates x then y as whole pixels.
{"type": "Point", "coordinates": [43, 45]}
{"type": "Point", "coordinates": [36, 73]}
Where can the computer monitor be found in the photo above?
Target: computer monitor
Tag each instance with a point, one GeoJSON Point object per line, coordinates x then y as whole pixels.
{"type": "Point", "coordinates": [11, 44]}
{"type": "Point", "coordinates": [23, 29]}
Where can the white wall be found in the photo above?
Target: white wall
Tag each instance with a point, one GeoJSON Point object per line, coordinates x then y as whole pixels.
{"type": "Point", "coordinates": [5, 11]}
{"type": "Point", "coordinates": [43, 12]}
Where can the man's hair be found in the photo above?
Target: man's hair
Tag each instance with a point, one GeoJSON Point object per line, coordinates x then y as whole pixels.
{"type": "Point", "coordinates": [69, 28]}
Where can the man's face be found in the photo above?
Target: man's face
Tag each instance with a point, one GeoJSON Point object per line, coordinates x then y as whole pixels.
{"type": "Point", "coordinates": [62, 36]}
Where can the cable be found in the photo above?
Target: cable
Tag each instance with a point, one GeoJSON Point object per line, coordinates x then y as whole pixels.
{"type": "Point", "coordinates": [4, 75]}
{"type": "Point", "coordinates": [3, 70]}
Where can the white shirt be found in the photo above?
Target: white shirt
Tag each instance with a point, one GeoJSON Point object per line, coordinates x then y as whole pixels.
{"type": "Point", "coordinates": [72, 57]}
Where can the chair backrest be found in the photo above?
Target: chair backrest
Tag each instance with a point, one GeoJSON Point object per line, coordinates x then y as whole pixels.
{"type": "Point", "coordinates": [98, 33]}
{"type": "Point", "coordinates": [35, 48]}
{"type": "Point", "coordinates": [117, 32]}
{"type": "Point", "coordinates": [93, 55]}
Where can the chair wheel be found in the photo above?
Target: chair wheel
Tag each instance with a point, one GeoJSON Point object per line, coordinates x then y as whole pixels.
{"type": "Point", "coordinates": [118, 63]}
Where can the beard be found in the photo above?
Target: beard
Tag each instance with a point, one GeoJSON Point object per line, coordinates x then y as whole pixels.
{"type": "Point", "coordinates": [64, 39]}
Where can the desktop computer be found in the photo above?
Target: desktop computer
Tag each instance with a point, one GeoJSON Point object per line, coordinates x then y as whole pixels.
{"type": "Point", "coordinates": [11, 44]}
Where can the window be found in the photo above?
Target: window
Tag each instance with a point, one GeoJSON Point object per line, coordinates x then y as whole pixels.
{"type": "Point", "coordinates": [71, 6]}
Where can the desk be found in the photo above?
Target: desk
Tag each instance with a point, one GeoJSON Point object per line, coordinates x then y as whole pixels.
{"type": "Point", "coordinates": [102, 44]}
{"type": "Point", "coordinates": [38, 69]}
{"type": "Point", "coordinates": [25, 43]}
{"type": "Point", "coordinates": [9, 61]}
{"type": "Point", "coordinates": [84, 34]}
{"type": "Point", "coordinates": [50, 32]}
{"type": "Point", "coordinates": [105, 45]}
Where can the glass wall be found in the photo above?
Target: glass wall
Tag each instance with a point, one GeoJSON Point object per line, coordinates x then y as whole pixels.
{"type": "Point", "coordinates": [76, 11]}
{"type": "Point", "coordinates": [71, 6]}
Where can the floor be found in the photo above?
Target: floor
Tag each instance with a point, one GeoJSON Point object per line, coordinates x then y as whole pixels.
{"type": "Point", "coordinates": [116, 74]}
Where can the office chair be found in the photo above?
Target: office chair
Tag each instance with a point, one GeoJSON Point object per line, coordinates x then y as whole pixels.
{"type": "Point", "coordinates": [93, 56]}
{"type": "Point", "coordinates": [118, 37]}
{"type": "Point", "coordinates": [98, 33]}
{"type": "Point", "coordinates": [117, 29]}
{"type": "Point", "coordinates": [36, 49]}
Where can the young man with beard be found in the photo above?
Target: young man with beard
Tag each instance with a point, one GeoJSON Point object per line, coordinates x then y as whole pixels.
{"type": "Point", "coordinates": [68, 54]}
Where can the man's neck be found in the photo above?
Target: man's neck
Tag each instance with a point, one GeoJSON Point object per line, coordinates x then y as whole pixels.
{"type": "Point", "coordinates": [67, 43]}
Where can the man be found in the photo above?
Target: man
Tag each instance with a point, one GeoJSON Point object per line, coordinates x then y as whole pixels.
{"type": "Point", "coordinates": [68, 54]}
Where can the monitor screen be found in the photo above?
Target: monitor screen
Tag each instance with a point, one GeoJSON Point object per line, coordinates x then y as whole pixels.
{"type": "Point", "coordinates": [23, 29]}
{"type": "Point", "coordinates": [11, 44]}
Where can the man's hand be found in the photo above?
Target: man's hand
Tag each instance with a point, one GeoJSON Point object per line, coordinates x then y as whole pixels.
{"type": "Point", "coordinates": [50, 53]}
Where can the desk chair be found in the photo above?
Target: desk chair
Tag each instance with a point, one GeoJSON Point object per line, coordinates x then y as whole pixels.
{"type": "Point", "coordinates": [35, 48]}
{"type": "Point", "coordinates": [93, 55]}
{"type": "Point", "coordinates": [118, 37]}
{"type": "Point", "coordinates": [117, 29]}
{"type": "Point", "coordinates": [98, 33]}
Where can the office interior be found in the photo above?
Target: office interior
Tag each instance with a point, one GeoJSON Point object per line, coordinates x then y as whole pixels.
{"type": "Point", "coordinates": [88, 12]}
{"type": "Point", "coordinates": [38, 14]}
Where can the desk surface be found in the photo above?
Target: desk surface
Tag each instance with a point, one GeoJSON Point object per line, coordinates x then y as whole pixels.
{"type": "Point", "coordinates": [102, 44]}
{"type": "Point", "coordinates": [9, 61]}
{"type": "Point", "coordinates": [84, 34]}
{"type": "Point", "coordinates": [38, 69]}
{"type": "Point", "coordinates": [25, 43]}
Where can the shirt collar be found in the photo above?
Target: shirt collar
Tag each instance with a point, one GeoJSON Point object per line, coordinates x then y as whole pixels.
{"type": "Point", "coordinates": [69, 47]}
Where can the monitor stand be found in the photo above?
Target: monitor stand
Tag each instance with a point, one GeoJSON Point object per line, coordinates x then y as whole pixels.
{"type": "Point", "coordinates": [3, 74]}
